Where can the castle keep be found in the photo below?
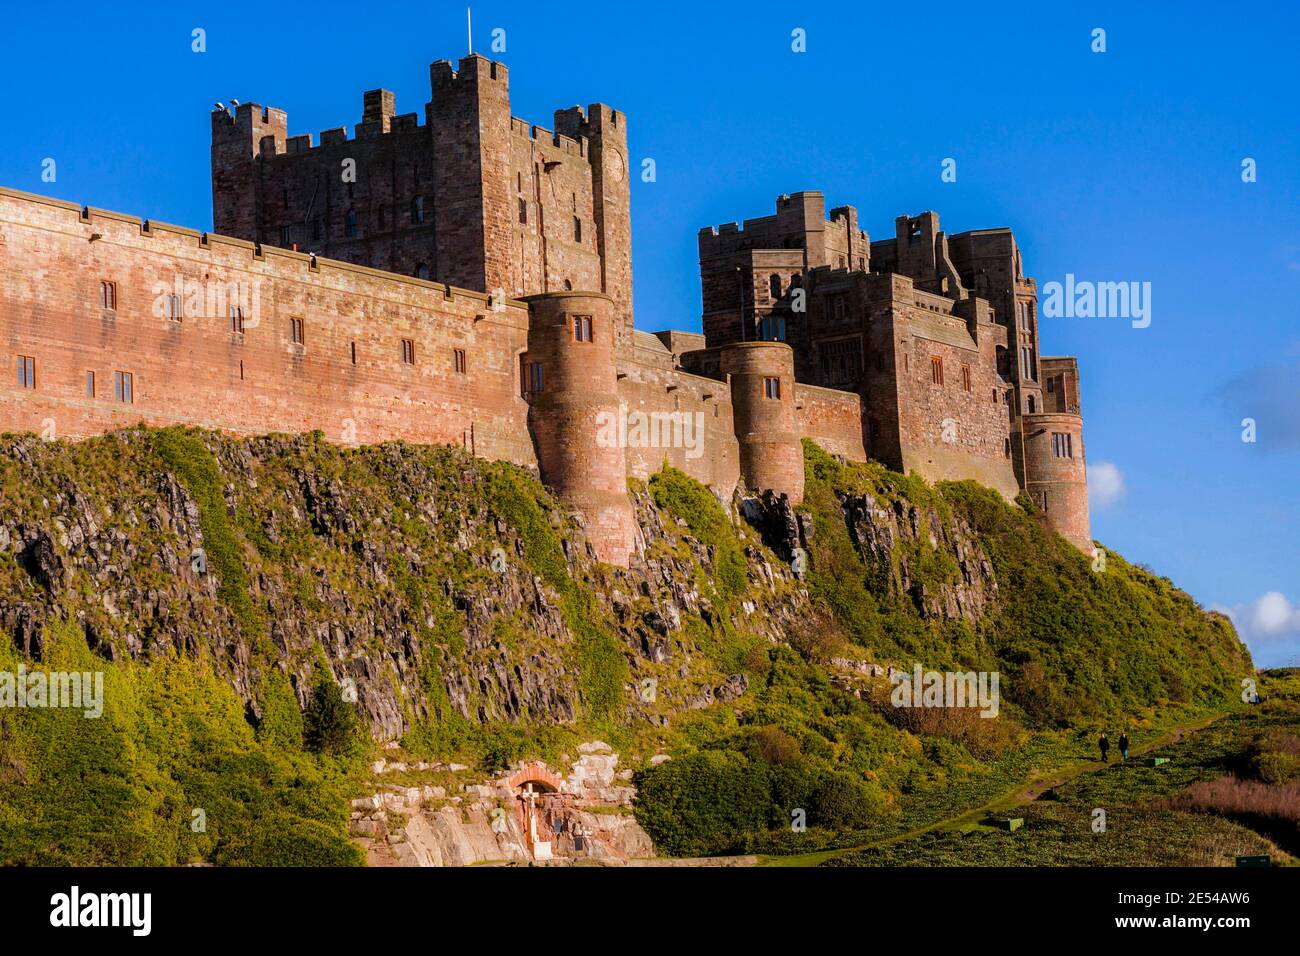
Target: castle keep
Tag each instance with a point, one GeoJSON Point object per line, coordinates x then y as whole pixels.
{"type": "Point", "coordinates": [468, 280]}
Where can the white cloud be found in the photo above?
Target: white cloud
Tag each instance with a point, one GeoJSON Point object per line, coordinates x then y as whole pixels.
{"type": "Point", "coordinates": [1270, 626]}
{"type": "Point", "coordinates": [1105, 483]}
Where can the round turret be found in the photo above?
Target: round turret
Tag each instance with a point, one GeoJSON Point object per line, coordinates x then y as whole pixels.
{"type": "Point", "coordinates": [571, 384]}
{"type": "Point", "coordinates": [762, 395]}
{"type": "Point", "coordinates": [1056, 475]}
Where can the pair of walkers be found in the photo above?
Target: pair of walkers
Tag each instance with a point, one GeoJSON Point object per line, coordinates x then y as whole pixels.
{"type": "Point", "coordinates": [1103, 743]}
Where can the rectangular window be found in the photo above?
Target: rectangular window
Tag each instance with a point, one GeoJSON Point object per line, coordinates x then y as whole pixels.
{"type": "Point", "coordinates": [236, 320]}
{"type": "Point", "coordinates": [1062, 445]}
{"type": "Point", "coordinates": [837, 307]}
{"type": "Point", "coordinates": [417, 209]}
{"type": "Point", "coordinates": [1051, 386]}
{"type": "Point", "coordinates": [26, 371]}
{"type": "Point", "coordinates": [90, 384]}
{"type": "Point", "coordinates": [523, 212]}
{"type": "Point", "coordinates": [295, 330]}
{"type": "Point", "coordinates": [965, 379]}
{"type": "Point", "coordinates": [353, 349]}
{"type": "Point", "coordinates": [174, 308]}
{"type": "Point", "coordinates": [577, 229]}
{"type": "Point", "coordinates": [582, 328]}
{"type": "Point", "coordinates": [936, 370]}
{"type": "Point", "coordinates": [124, 387]}
{"type": "Point", "coordinates": [458, 361]}
{"type": "Point", "coordinates": [108, 296]}
{"type": "Point", "coordinates": [841, 362]}
{"type": "Point", "coordinates": [771, 328]}
{"type": "Point", "coordinates": [772, 388]}
{"type": "Point", "coordinates": [533, 381]}
{"type": "Point", "coordinates": [286, 236]}
{"type": "Point", "coordinates": [408, 351]}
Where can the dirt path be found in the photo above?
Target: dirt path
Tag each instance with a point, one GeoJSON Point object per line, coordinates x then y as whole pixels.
{"type": "Point", "coordinates": [1024, 792]}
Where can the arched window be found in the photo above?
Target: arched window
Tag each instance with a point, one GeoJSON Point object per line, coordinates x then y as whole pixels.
{"type": "Point", "coordinates": [422, 271]}
{"type": "Point", "coordinates": [568, 286]}
{"type": "Point", "coordinates": [774, 285]}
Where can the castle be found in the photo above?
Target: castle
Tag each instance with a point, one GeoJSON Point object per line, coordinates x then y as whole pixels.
{"type": "Point", "coordinates": [468, 280]}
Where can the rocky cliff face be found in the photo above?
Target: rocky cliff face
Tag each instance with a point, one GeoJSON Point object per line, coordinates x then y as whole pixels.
{"type": "Point", "coordinates": [431, 582]}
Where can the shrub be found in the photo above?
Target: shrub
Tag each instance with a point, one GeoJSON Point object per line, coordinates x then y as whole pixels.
{"type": "Point", "coordinates": [845, 803]}
{"type": "Point", "coordinates": [330, 724]}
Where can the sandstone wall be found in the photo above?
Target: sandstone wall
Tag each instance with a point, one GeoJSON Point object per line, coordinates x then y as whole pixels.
{"type": "Point", "coordinates": [349, 377]}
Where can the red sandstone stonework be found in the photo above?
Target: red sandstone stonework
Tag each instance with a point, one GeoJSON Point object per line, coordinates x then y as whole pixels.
{"type": "Point", "coordinates": [920, 351]}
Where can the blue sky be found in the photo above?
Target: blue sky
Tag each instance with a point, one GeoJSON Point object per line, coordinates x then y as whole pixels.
{"type": "Point", "coordinates": [1115, 166]}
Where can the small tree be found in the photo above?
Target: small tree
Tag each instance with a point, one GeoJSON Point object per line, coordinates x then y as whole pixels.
{"type": "Point", "coordinates": [330, 724]}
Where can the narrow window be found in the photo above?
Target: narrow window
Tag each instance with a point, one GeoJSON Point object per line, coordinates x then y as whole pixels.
{"type": "Point", "coordinates": [936, 370]}
{"type": "Point", "coordinates": [577, 229]}
{"type": "Point", "coordinates": [353, 349]}
{"type": "Point", "coordinates": [124, 387]}
{"type": "Point", "coordinates": [422, 271]}
{"type": "Point", "coordinates": [408, 351]}
{"type": "Point", "coordinates": [965, 378]}
{"type": "Point", "coordinates": [458, 360]}
{"type": "Point", "coordinates": [90, 384]}
{"type": "Point", "coordinates": [26, 371]}
{"type": "Point", "coordinates": [1051, 386]}
{"type": "Point", "coordinates": [236, 320]}
{"type": "Point", "coordinates": [350, 224]}
{"type": "Point", "coordinates": [532, 378]}
{"type": "Point", "coordinates": [582, 328]}
{"type": "Point", "coordinates": [995, 396]}
{"type": "Point", "coordinates": [316, 225]}
{"type": "Point", "coordinates": [296, 331]}
{"type": "Point", "coordinates": [774, 286]}
{"type": "Point", "coordinates": [771, 328]}
{"type": "Point", "coordinates": [241, 370]}
{"type": "Point", "coordinates": [1006, 447]}
{"type": "Point", "coordinates": [523, 212]}
{"type": "Point", "coordinates": [108, 296]}
{"type": "Point", "coordinates": [417, 209]}
{"type": "Point", "coordinates": [286, 236]}
{"type": "Point", "coordinates": [174, 308]}
{"type": "Point", "coordinates": [1032, 405]}
{"type": "Point", "coordinates": [772, 388]}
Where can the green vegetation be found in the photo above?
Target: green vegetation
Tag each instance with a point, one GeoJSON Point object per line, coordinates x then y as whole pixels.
{"type": "Point", "coordinates": [1201, 808]}
{"type": "Point", "coordinates": [195, 466]}
{"type": "Point", "coordinates": [380, 561]}
{"type": "Point", "coordinates": [1076, 649]}
{"type": "Point", "coordinates": [170, 773]}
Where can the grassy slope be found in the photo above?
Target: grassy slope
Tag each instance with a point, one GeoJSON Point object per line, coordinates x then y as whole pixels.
{"type": "Point", "coordinates": [1074, 646]}
{"type": "Point", "coordinates": [1077, 649]}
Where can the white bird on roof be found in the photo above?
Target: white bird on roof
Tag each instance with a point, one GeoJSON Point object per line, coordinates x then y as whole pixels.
{"type": "Point", "coordinates": [234, 102]}
{"type": "Point", "coordinates": [218, 105]}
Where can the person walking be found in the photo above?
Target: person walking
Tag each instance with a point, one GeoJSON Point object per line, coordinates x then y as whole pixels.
{"type": "Point", "coordinates": [1104, 744]}
{"type": "Point", "coordinates": [1123, 746]}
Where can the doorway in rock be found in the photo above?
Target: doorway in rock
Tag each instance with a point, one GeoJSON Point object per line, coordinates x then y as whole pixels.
{"type": "Point", "coordinates": [534, 800]}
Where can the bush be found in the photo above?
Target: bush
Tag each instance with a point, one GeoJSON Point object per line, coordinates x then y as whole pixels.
{"type": "Point", "coordinates": [330, 724]}
{"type": "Point", "coordinates": [845, 803]}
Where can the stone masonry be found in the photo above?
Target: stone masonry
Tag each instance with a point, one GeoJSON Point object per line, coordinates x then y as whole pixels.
{"type": "Point", "coordinates": [468, 280]}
